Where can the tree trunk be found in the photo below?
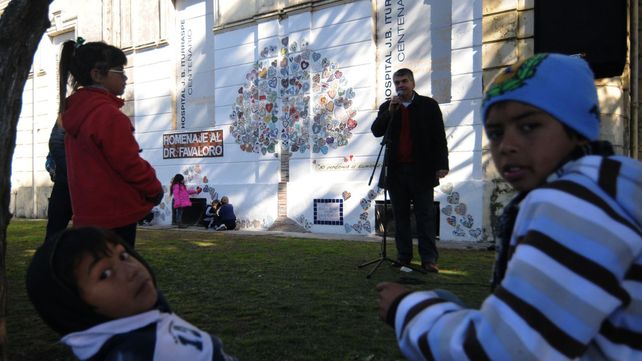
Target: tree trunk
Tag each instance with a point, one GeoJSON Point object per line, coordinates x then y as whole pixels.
{"type": "Point", "coordinates": [283, 223]}
{"type": "Point", "coordinates": [21, 27]}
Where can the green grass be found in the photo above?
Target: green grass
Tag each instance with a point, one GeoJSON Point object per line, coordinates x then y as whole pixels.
{"type": "Point", "coordinates": [268, 298]}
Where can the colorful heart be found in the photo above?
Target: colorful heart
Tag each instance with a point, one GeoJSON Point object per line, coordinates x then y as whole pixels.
{"type": "Point", "coordinates": [367, 226]}
{"type": "Point", "coordinates": [453, 198]}
{"type": "Point", "coordinates": [452, 220]}
{"type": "Point", "coordinates": [475, 232]}
{"type": "Point", "coordinates": [446, 188]}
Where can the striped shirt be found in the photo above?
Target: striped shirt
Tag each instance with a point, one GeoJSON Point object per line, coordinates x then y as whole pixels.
{"type": "Point", "coordinates": [573, 286]}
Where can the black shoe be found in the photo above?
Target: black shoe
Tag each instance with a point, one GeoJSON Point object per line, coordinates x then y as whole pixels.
{"type": "Point", "coordinates": [400, 263]}
{"type": "Point", "coordinates": [430, 267]}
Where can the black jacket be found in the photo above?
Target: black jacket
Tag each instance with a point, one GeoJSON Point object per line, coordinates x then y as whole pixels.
{"type": "Point", "coordinates": [57, 151]}
{"type": "Point", "coordinates": [429, 146]}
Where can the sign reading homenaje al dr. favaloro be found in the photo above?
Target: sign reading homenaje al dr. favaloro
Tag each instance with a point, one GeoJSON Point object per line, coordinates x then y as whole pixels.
{"type": "Point", "coordinates": [203, 144]}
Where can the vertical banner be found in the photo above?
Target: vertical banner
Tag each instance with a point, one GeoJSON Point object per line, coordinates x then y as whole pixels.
{"type": "Point", "coordinates": [185, 74]}
{"type": "Point", "coordinates": [194, 94]}
{"type": "Point", "coordinates": [415, 35]}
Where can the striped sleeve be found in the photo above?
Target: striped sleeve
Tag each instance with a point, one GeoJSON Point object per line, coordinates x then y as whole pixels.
{"type": "Point", "coordinates": [572, 290]}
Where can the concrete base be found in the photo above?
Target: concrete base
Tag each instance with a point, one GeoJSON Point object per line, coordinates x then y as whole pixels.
{"type": "Point", "coordinates": [285, 224]}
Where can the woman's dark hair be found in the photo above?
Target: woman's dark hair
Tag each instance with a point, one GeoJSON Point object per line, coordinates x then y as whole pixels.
{"type": "Point", "coordinates": [79, 59]}
{"type": "Point", "coordinates": [178, 179]}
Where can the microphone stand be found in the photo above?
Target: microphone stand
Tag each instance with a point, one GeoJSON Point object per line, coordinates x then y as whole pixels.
{"type": "Point", "coordinates": [383, 254]}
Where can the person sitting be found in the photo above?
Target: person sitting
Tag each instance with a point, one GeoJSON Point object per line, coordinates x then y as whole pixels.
{"type": "Point", "coordinates": [147, 220]}
{"type": "Point", "coordinates": [210, 215]}
{"type": "Point", "coordinates": [226, 216]}
{"type": "Point", "coordinates": [90, 286]}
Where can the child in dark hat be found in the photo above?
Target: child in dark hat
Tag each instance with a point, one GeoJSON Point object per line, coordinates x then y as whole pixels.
{"type": "Point", "coordinates": [91, 287]}
{"type": "Point", "coordinates": [568, 276]}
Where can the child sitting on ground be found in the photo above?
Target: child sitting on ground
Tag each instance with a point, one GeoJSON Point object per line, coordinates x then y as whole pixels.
{"type": "Point", "coordinates": [91, 287]}
{"type": "Point", "coordinates": [568, 274]}
{"type": "Point", "coordinates": [226, 216]}
{"type": "Point", "coordinates": [210, 216]}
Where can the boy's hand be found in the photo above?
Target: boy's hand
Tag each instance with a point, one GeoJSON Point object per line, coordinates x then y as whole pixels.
{"type": "Point", "coordinates": [388, 293]}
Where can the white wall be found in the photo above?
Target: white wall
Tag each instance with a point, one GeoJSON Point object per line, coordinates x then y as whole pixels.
{"type": "Point", "coordinates": [343, 35]}
{"type": "Point", "coordinates": [201, 80]}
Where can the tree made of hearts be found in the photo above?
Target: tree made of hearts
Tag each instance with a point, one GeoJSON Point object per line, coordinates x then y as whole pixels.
{"type": "Point", "coordinates": [296, 98]}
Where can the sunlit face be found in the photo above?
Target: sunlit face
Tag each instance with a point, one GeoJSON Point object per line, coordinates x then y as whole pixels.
{"type": "Point", "coordinates": [404, 86]}
{"type": "Point", "coordinates": [527, 143]}
{"type": "Point", "coordinates": [114, 81]}
{"type": "Point", "coordinates": [117, 285]}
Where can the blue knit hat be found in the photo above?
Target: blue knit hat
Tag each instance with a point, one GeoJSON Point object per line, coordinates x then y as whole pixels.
{"type": "Point", "coordinates": [560, 85]}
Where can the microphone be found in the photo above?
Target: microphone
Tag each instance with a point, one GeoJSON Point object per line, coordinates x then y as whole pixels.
{"type": "Point", "coordinates": [399, 95]}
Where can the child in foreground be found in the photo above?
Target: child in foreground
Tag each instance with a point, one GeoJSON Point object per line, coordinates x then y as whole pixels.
{"type": "Point", "coordinates": [568, 276]}
{"type": "Point", "coordinates": [91, 287]}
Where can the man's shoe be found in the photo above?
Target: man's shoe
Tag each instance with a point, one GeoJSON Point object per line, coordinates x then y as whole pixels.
{"type": "Point", "coordinates": [430, 267]}
{"type": "Point", "coordinates": [221, 227]}
{"type": "Point", "coordinates": [400, 263]}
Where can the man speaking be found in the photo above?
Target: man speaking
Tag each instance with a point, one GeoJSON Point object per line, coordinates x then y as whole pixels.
{"type": "Point", "coordinates": [416, 157]}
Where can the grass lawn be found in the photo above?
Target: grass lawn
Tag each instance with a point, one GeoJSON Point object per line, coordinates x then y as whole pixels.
{"type": "Point", "coordinates": [268, 298]}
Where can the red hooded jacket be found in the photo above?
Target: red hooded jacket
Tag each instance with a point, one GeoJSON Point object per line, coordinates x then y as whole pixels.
{"type": "Point", "coordinates": [110, 184]}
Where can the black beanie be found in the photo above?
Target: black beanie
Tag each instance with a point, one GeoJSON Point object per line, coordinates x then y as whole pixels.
{"type": "Point", "coordinates": [59, 305]}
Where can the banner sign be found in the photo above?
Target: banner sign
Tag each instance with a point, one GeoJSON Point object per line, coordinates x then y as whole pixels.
{"type": "Point", "coordinates": [203, 144]}
{"type": "Point", "coordinates": [415, 35]}
{"type": "Point", "coordinates": [186, 73]}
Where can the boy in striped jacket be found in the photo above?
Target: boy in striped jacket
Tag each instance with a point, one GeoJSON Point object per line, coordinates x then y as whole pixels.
{"type": "Point", "coordinates": [568, 275]}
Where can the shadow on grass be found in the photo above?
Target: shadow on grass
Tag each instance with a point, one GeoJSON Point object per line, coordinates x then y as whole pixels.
{"type": "Point", "coordinates": [268, 298]}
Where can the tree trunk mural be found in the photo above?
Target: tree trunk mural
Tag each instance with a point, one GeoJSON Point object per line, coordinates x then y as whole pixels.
{"type": "Point", "coordinates": [295, 101]}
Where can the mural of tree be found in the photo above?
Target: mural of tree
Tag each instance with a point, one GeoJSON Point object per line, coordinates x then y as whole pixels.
{"type": "Point", "coordinates": [296, 99]}
{"type": "Point", "coordinates": [274, 106]}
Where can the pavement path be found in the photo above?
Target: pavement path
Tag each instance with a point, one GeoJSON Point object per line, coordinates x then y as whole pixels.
{"type": "Point", "coordinates": [350, 237]}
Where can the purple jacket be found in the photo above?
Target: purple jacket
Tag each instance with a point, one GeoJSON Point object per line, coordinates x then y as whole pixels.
{"type": "Point", "coordinates": [181, 195]}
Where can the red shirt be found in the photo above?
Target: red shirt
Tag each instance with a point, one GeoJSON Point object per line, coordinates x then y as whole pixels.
{"type": "Point", "coordinates": [404, 152]}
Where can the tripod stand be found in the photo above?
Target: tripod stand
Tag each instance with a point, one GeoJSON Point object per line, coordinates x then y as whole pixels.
{"type": "Point", "coordinates": [383, 255]}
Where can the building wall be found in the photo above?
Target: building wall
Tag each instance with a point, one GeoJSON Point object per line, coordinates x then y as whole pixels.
{"type": "Point", "coordinates": [191, 66]}
{"type": "Point", "coordinates": [508, 37]}
{"type": "Point", "coordinates": [345, 34]}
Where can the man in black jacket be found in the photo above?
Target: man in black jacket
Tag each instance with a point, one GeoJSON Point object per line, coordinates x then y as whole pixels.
{"type": "Point", "coordinates": [416, 157]}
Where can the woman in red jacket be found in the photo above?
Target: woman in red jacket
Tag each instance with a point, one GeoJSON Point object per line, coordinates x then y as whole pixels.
{"type": "Point", "coordinates": [110, 185]}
